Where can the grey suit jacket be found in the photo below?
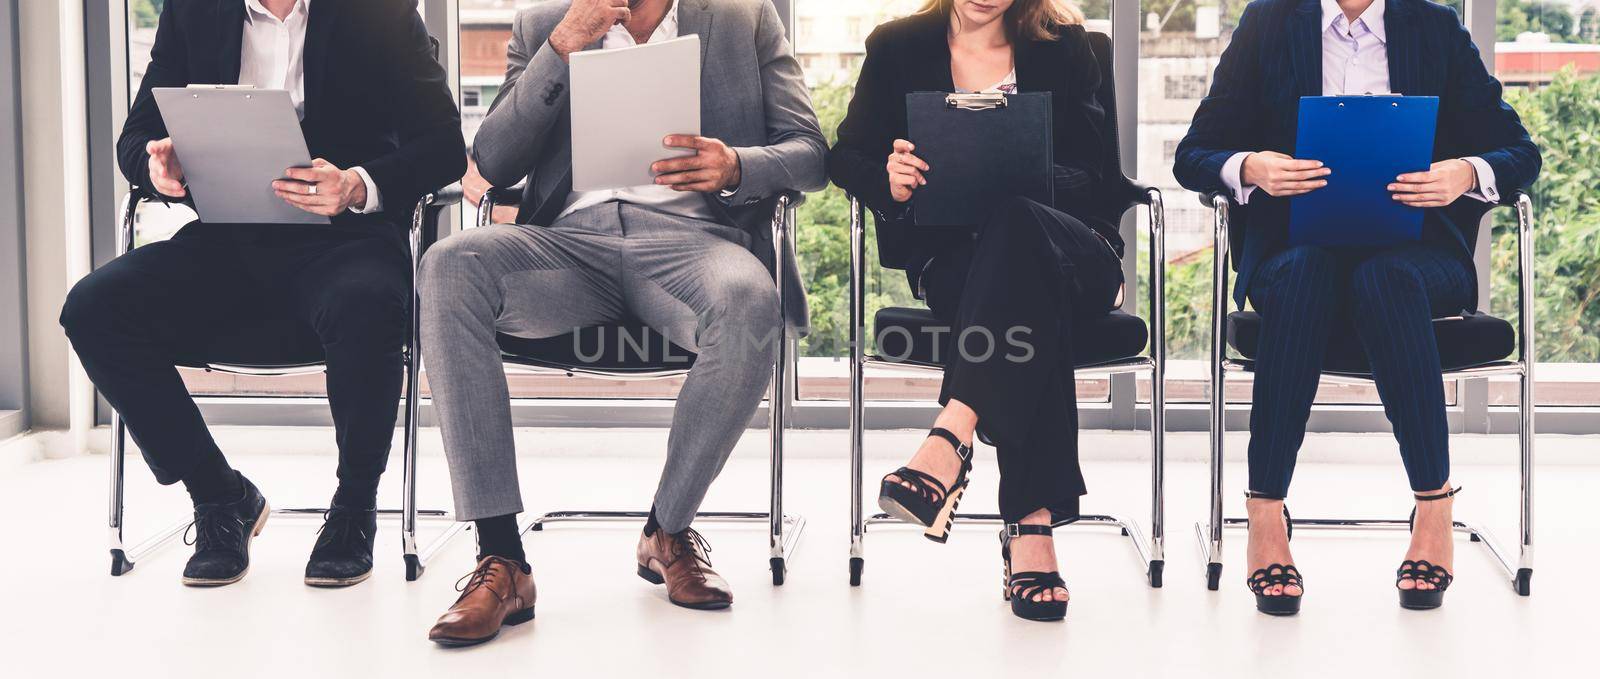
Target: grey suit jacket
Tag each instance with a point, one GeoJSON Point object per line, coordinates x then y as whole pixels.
{"type": "Point", "coordinates": [753, 98]}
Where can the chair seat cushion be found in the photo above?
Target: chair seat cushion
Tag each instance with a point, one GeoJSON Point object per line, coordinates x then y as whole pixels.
{"type": "Point", "coordinates": [632, 348]}
{"type": "Point", "coordinates": [260, 343]}
{"type": "Point", "coordinates": [910, 334]}
{"type": "Point", "coordinates": [1464, 342]}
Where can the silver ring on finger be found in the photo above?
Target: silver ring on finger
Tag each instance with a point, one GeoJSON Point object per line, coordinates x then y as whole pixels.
{"type": "Point", "coordinates": [312, 190]}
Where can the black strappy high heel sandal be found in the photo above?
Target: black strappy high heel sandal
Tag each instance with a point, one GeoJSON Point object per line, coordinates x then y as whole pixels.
{"type": "Point", "coordinates": [927, 503]}
{"type": "Point", "coordinates": [1423, 571]}
{"type": "Point", "coordinates": [1020, 588]}
{"type": "Point", "coordinates": [1276, 574]}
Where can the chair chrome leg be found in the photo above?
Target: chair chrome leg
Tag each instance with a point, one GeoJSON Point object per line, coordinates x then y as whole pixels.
{"type": "Point", "coordinates": [777, 404]}
{"type": "Point", "coordinates": [1522, 580]}
{"type": "Point", "coordinates": [1527, 407]}
{"type": "Point", "coordinates": [1158, 479]}
{"type": "Point", "coordinates": [857, 331]}
{"type": "Point", "coordinates": [1211, 538]}
{"type": "Point", "coordinates": [1158, 387]}
{"type": "Point", "coordinates": [408, 471]}
{"type": "Point", "coordinates": [120, 563]}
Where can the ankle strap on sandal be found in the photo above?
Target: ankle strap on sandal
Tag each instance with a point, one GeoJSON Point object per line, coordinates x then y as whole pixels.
{"type": "Point", "coordinates": [1253, 495]}
{"type": "Point", "coordinates": [1020, 529]}
{"type": "Point", "coordinates": [963, 450]}
{"type": "Point", "coordinates": [1438, 496]}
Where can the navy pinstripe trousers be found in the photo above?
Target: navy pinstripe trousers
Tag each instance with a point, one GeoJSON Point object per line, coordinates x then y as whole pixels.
{"type": "Point", "coordinates": [1308, 296]}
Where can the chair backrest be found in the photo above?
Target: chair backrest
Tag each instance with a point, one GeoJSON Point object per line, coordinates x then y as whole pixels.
{"type": "Point", "coordinates": [1117, 192]}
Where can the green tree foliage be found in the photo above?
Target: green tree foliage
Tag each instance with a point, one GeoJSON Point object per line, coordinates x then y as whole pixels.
{"type": "Point", "coordinates": [823, 240]}
{"type": "Point", "coordinates": [145, 13]}
{"type": "Point", "coordinates": [1564, 119]}
{"type": "Point", "coordinates": [1516, 17]}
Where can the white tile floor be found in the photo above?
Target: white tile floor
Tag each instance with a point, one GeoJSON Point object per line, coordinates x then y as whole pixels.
{"type": "Point", "coordinates": [923, 609]}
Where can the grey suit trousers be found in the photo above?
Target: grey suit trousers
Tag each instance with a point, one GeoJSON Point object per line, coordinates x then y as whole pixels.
{"type": "Point", "coordinates": [695, 282]}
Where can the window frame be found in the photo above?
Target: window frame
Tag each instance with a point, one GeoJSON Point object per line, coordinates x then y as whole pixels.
{"type": "Point", "coordinates": [13, 284]}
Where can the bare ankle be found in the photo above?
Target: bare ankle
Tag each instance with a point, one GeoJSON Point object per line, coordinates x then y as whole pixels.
{"type": "Point", "coordinates": [1040, 517]}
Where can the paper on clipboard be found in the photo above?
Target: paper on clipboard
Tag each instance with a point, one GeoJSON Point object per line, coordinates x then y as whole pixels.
{"type": "Point", "coordinates": [624, 102]}
{"type": "Point", "coordinates": [233, 142]}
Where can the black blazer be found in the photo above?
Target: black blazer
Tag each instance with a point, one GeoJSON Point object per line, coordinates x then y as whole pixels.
{"type": "Point", "coordinates": [374, 95]}
{"type": "Point", "coordinates": [912, 54]}
{"type": "Point", "coordinates": [1275, 58]}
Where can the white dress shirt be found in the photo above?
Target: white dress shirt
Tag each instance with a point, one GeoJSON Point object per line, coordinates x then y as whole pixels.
{"type": "Point", "coordinates": [660, 198]}
{"type": "Point", "coordinates": [272, 57]}
{"type": "Point", "coordinates": [1355, 60]}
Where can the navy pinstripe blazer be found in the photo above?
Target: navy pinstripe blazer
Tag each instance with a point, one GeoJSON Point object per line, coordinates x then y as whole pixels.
{"type": "Point", "coordinates": [1275, 58]}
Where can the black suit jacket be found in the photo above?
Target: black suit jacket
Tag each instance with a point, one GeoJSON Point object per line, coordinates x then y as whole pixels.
{"type": "Point", "coordinates": [1275, 58]}
{"type": "Point", "coordinates": [912, 54]}
{"type": "Point", "coordinates": [374, 95]}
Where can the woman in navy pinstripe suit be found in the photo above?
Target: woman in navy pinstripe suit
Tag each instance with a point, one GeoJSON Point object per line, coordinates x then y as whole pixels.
{"type": "Point", "coordinates": [1242, 142]}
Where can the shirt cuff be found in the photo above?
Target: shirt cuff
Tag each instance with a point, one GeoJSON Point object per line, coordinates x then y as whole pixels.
{"type": "Point", "coordinates": [374, 199]}
{"type": "Point", "coordinates": [1486, 191]}
{"type": "Point", "coordinates": [1233, 177]}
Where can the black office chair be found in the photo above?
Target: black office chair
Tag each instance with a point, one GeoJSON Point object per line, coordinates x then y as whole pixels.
{"type": "Point", "coordinates": [1110, 345]}
{"type": "Point", "coordinates": [635, 351]}
{"type": "Point", "coordinates": [1471, 345]}
{"type": "Point", "coordinates": [277, 346]}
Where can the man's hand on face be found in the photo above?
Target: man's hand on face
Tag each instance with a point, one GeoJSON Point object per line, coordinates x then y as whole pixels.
{"type": "Point", "coordinates": [166, 175]}
{"type": "Point", "coordinates": [713, 167]}
{"type": "Point", "coordinates": [585, 22]}
{"type": "Point", "coordinates": [321, 189]}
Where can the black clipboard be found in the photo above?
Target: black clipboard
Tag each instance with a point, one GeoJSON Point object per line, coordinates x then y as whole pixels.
{"type": "Point", "coordinates": [981, 149]}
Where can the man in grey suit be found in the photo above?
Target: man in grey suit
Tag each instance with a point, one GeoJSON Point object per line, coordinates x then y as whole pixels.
{"type": "Point", "coordinates": [689, 256]}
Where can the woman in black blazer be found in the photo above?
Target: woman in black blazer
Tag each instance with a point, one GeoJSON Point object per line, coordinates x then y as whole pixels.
{"type": "Point", "coordinates": [1031, 272]}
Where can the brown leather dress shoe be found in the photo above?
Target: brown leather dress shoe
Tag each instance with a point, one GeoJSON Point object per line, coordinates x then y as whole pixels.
{"type": "Point", "coordinates": [681, 562]}
{"type": "Point", "coordinates": [495, 594]}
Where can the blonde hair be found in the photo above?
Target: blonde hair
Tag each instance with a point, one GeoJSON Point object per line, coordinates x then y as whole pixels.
{"type": "Point", "coordinates": [1025, 19]}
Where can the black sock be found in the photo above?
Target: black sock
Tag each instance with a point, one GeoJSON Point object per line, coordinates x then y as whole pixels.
{"type": "Point", "coordinates": [357, 494]}
{"type": "Point", "coordinates": [650, 523]}
{"type": "Point", "coordinates": [213, 481]}
{"type": "Point", "coordinates": [498, 536]}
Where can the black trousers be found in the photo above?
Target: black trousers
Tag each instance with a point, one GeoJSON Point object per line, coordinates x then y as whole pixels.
{"type": "Point", "coordinates": [1012, 296]}
{"type": "Point", "coordinates": [1309, 295]}
{"type": "Point", "coordinates": [173, 302]}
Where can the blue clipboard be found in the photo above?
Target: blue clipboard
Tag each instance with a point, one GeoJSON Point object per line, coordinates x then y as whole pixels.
{"type": "Point", "coordinates": [1367, 141]}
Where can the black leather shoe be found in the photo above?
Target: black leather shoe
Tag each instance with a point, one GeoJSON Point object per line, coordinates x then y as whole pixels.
{"type": "Point", "coordinates": [222, 535]}
{"type": "Point", "coordinates": [343, 555]}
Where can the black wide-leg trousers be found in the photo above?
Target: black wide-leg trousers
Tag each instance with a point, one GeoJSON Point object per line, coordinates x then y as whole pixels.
{"type": "Point", "coordinates": [1012, 296]}
{"type": "Point", "coordinates": [166, 303]}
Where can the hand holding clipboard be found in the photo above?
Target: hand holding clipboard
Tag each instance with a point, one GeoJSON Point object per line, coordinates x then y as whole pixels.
{"type": "Point", "coordinates": [984, 148]}
{"type": "Point", "coordinates": [905, 171]}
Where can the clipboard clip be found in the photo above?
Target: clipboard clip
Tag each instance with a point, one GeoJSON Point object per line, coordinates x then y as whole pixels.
{"type": "Point", "coordinates": [975, 101]}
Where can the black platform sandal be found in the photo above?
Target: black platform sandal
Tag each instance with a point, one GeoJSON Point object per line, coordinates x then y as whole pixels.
{"type": "Point", "coordinates": [1020, 588]}
{"type": "Point", "coordinates": [927, 503]}
{"type": "Point", "coordinates": [1286, 575]}
{"type": "Point", "coordinates": [1422, 570]}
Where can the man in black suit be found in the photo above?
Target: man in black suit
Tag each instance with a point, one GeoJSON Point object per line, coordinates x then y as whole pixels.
{"type": "Point", "coordinates": [1241, 142]}
{"type": "Point", "coordinates": [382, 125]}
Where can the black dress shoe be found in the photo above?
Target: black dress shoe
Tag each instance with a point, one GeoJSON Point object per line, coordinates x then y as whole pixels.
{"type": "Point", "coordinates": [222, 535]}
{"type": "Point", "coordinates": [343, 555]}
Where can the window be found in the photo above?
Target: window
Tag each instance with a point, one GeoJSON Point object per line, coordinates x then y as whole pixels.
{"type": "Point", "coordinates": [13, 321]}
{"type": "Point", "coordinates": [1186, 86]}
{"type": "Point", "coordinates": [1549, 59]}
